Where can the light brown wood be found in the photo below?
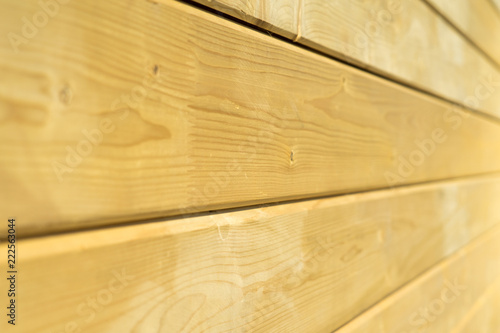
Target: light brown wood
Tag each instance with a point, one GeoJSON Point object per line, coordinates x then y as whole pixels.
{"type": "Point", "coordinates": [497, 5]}
{"type": "Point", "coordinates": [172, 110]}
{"type": "Point", "coordinates": [442, 299]}
{"type": "Point", "coordinates": [477, 19]}
{"type": "Point", "coordinates": [483, 313]}
{"type": "Point", "coordinates": [278, 16]}
{"type": "Point", "coordinates": [403, 40]}
{"type": "Point", "coordinates": [308, 266]}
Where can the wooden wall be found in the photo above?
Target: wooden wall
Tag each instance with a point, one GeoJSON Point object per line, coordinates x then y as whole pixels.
{"type": "Point", "coordinates": [251, 166]}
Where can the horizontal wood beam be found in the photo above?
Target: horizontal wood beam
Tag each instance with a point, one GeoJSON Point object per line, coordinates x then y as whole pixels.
{"type": "Point", "coordinates": [160, 109]}
{"type": "Point", "coordinates": [308, 266]}
{"type": "Point", "coordinates": [447, 298]}
{"type": "Point", "coordinates": [405, 41]}
{"type": "Point", "coordinates": [479, 20]}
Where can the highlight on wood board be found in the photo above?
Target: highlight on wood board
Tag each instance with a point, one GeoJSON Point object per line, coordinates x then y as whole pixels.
{"type": "Point", "coordinates": [244, 166]}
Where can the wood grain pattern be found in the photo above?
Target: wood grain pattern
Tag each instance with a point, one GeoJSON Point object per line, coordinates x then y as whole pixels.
{"type": "Point", "coordinates": [477, 19]}
{"type": "Point", "coordinates": [308, 266]}
{"type": "Point", "coordinates": [443, 298]}
{"type": "Point", "coordinates": [173, 110]}
{"type": "Point", "coordinates": [278, 16]}
{"type": "Point", "coordinates": [403, 40]}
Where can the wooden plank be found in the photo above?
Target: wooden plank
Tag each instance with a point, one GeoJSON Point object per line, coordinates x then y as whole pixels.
{"type": "Point", "coordinates": [278, 16]}
{"type": "Point", "coordinates": [307, 266]}
{"type": "Point", "coordinates": [440, 300]}
{"type": "Point", "coordinates": [477, 19]}
{"type": "Point", "coordinates": [403, 40]}
{"type": "Point", "coordinates": [138, 123]}
{"type": "Point", "coordinates": [483, 312]}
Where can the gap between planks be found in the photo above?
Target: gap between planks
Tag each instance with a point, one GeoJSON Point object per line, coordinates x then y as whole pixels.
{"type": "Point", "coordinates": [404, 188]}
{"type": "Point", "coordinates": [380, 73]}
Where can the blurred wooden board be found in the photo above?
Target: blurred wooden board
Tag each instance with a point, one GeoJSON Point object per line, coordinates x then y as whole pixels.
{"type": "Point", "coordinates": [277, 16]}
{"type": "Point", "coordinates": [479, 20]}
{"type": "Point", "coordinates": [308, 266]}
{"type": "Point", "coordinates": [403, 40]}
{"type": "Point", "coordinates": [406, 40]}
{"type": "Point", "coordinates": [483, 312]}
{"type": "Point", "coordinates": [173, 110]}
{"type": "Point", "coordinates": [448, 298]}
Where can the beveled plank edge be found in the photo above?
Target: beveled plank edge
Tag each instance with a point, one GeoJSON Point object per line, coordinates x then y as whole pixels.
{"type": "Point", "coordinates": [298, 39]}
{"type": "Point", "coordinates": [426, 277]}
